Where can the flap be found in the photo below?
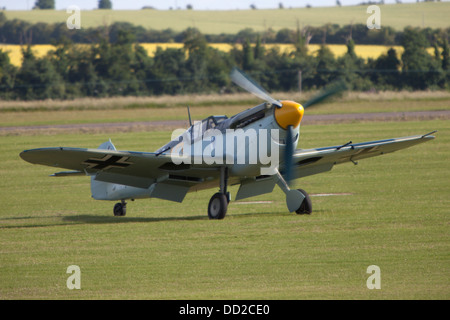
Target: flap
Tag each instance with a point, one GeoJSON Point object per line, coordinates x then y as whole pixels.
{"type": "Point", "coordinates": [254, 187]}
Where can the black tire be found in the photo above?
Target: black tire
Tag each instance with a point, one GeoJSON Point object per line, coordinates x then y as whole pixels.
{"type": "Point", "coordinates": [306, 206]}
{"type": "Point", "coordinates": [120, 210]}
{"type": "Point", "coordinates": [217, 207]}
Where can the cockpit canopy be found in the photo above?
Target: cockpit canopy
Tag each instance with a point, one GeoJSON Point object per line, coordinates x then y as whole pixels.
{"type": "Point", "coordinates": [196, 131]}
{"type": "Point", "coordinates": [221, 123]}
{"type": "Point", "coordinates": [199, 128]}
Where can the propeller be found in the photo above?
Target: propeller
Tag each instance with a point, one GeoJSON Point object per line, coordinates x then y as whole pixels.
{"type": "Point", "coordinates": [288, 154]}
{"type": "Point", "coordinates": [248, 84]}
{"type": "Point", "coordinates": [245, 82]}
{"type": "Point", "coordinates": [329, 91]}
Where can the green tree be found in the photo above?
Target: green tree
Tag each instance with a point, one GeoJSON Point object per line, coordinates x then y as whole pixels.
{"type": "Point", "coordinates": [206, 67]}
{"type": "Point", "coordinates": [194, 41]}
{"type": "Point", "coordinates": [446, 62]}
{"type": "Point", "coordinates": [38, 79]}
{"type": "Point", "coordinates": [113, 64]}
{"type": "Point", "coordinates": [141, 65]}
{"type": "Point", "coordinates": [104, 4]}
{"type": "Point", "coordinates": [2, 17]}
{"type": "Point", "coordinates": [168, 68]}
{"type": "Point", "coordinates": [387, 70]}
{"type": "Point", "coordinates": [352, 69]}
{"type": "Point", "coordinates": [82, 76]}
{"type": "Point", "coordinates": [284, 36]}
{"type": "Point", "coordinates": [301, 41]}
{"type": "Point", "coordinates": [326, 67]}
{"type": "Point", "coordinates": [258, 52]}
{"type": "Point", "coordinates": [351, 49]}
{"type": "Point", "coordinates": [44, 4]}
{"type": "Point", "coordinates": [247, 55]}
{"type": "Point", "coordinates": [445, 55]}
{"type": "Point", "coordinates": [218, 69]}
{"type": "Point", "coordinates": [437, 54]}
{"type": "Point", "coordinates": [245, 34]}
{"type": "Point", "coordinates": [7, 76]}
{"type": "Point", "coordinates": [420, 70]}
{"type": "Point", "coordinates": [263, 69]}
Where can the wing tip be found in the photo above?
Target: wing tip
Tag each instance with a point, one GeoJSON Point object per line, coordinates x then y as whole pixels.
{"type": "Point", "coordinates": [429, 135]}
{"type": "Point", "coordinates": [24, 154]}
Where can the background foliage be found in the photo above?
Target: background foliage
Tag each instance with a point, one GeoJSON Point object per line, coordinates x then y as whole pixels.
{"type": "Point", "coordinates": [114, 63]}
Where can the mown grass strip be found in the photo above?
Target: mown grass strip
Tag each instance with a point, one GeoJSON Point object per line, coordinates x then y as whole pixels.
{"type": "Point", "coordinates": [396, 218]}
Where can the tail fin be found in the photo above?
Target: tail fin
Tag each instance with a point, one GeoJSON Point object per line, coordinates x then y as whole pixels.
{"type": "Point", "coordinates": [108, 145]}
{"type": "Point", "coordinates": [100, 189]}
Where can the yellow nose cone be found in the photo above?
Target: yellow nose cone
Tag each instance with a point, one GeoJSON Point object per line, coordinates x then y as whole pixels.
{"type": "Point", "coordinates": [290, 114]}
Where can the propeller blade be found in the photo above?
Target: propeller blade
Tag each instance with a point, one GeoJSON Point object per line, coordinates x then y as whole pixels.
{"type": "Point", "coordinates": [288, 154]}
{"type": "Point", "coordinates": [248, 84]}
{"type": "Point", "coordinates": [331, 90]}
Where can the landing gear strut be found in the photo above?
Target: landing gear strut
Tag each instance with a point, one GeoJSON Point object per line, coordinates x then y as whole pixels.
{"type": "Point", "coordinates": [120, 209]}
{"type": "Point", "coordinates": [217, 207]}
{"type": "Point", "coordinates": [296, 200]}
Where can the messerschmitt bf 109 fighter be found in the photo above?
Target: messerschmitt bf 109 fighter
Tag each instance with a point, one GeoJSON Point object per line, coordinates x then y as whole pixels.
{"type": "Point", "coordinates": [255, 149]}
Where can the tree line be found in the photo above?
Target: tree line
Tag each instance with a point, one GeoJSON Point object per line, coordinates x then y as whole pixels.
{"type": "Point", "coordinates": [50, 4]}
{"type": "Point", "coordinates": [123, 67]}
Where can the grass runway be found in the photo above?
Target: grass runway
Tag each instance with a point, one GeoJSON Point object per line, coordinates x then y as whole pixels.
{"type": "Point", "coordinates": [391, 211]}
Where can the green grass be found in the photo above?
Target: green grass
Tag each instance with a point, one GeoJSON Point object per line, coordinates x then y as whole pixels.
{"type": "Point", "coordinates": [433, 15]}
{"type": "Point", "coordinates": [396, 218]}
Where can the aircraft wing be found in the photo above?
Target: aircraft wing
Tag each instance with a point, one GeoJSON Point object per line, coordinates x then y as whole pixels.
{"type": "Point", "coordinates": [136, 169]}
{"type": "Point", "coordinates": [143, 169]}
{"type": "Point", "coordinates": [308, 162]}
{"type": "Point", "coordinates": [312, 161]}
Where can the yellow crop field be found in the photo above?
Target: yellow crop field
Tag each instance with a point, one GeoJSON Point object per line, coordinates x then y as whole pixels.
{"type": "Point", "coordinates": [363, 51]}
{"type": "Point", "coordinates": [15, 51]}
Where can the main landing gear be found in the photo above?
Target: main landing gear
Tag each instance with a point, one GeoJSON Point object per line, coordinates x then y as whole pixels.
{"type": "Point", "coordinates": [296, 200]}
{"type": "Point", "coordinates": [217, 207]}
{"type": "Point", "coordinates": [120, 209]}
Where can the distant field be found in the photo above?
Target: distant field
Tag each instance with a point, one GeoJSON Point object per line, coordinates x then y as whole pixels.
{"type": "Point", "coordinates": [434, 15]}
{"type": "Point", "coordinates": [363, 51]}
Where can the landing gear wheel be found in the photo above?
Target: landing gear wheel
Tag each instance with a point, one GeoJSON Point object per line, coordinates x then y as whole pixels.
{"type": "Point", "coordinates": [306, 206]}
{"type": "Point", "coordinates": [120, 209]}
{"type": "Point", "coordinates": [217, 207]}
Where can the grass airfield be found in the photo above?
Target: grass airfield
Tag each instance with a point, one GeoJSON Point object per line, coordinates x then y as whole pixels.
{"type": "Point", "coordinates": [390, 211]}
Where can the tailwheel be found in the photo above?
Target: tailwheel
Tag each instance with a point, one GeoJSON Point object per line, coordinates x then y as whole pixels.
{"type": "Point", "coordinates": [217, 207]}
{"type": "Point", "coordinates": [306, 206]}
{"type": "Point", "coordinates": [120, 209]}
